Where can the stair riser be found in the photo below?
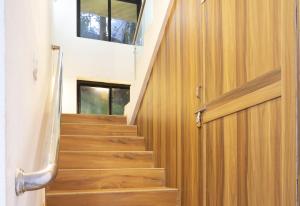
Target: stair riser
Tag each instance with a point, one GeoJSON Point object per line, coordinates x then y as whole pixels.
{"type": "Point", "coordinates": [105, 160]}
{"type": "Point", "coordinates": [159, 198]}
{"type": "Point", "coordinates": [89, 143]}
{"type": "Point", "coordinates": [95, 129]}
{"type": "Point", "coordinates": [108, 179]}
{"type": "Point", "coordinates": [75, 118]}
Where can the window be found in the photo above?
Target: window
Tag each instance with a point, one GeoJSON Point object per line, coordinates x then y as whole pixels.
{"type": "Point", "coordinates": [108, 20]}
{"type": "Point", "coordinates": [101, 98]}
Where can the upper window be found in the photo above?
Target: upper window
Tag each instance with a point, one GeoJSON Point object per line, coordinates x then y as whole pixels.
{"type": "Point", "coordinates": [108, 20]}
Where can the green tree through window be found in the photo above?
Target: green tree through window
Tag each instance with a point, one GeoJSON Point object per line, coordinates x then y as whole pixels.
{"type": "Point", "coordinates": [101, 98]}
{"type": "Point", "coordinates": [109, 20]}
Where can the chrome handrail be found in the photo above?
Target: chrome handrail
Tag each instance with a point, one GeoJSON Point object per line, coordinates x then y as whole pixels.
{"type": "Point", "coordinates": [40, 179]}
{"type": "Point", "coordinates": [138, 25]}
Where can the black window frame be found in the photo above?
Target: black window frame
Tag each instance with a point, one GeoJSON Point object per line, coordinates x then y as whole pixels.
{"type": "Point", "coordinates": [137, 2]}
{"type": "Point", "coordinates": [109, 86]}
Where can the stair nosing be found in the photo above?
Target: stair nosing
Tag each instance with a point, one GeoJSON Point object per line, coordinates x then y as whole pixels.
{"type": "Point", "coordinates": [109, 191]}
{"type": "Point", "coordinates": [114, 169]}
{"type": "Point", "coordinates": [94, 115]}
{"type": "Point", "coordinates": [92, 151]}
{"type": "Point", "coordinates": [102, 136]}
{"type": "Point", "coordinates": [94, 123]}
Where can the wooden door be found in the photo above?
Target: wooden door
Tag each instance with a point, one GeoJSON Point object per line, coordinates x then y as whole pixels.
{"type": "Point", "coordinates": [248, 142]}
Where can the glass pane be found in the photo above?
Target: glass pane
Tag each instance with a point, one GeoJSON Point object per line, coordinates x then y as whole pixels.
{"type": "Point", "coordinates": [120, 97]}
{"type": "Point", "coordinates": [146, 20]}
{"type": "Point", "coordinates": [94, 19]}
{"type": "Point", "coordinates": [123, 23]}
{"type": "Point", "coordinates": [94, 100]}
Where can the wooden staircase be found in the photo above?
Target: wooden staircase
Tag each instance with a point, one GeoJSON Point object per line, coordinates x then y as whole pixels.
{"type": "Point", "coordinates": [103, 162]}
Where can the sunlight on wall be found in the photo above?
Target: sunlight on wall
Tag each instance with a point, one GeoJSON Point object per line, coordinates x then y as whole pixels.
{"type": "Point", "coordinates": [28, 49]}
{"type": "Point", "coordinates": [87, 59]}
{"type": "Point", "coordinates": [147, 52]}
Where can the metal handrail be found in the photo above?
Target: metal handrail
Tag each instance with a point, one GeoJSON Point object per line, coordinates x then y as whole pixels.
{"type": "Point", "coordinates": [138, 25]}
{"type": "Point", "coordinates": [40, 179]}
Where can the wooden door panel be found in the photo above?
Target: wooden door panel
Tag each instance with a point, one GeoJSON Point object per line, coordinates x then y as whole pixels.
{"type": "Point", "coordinates": [248, 150]}
{"type": "Point", "coordinates": [243, 157]}
{"type": "Point", "coordinates": [262, 89]}
{"type": "Point", "coordinates": [242, 42]}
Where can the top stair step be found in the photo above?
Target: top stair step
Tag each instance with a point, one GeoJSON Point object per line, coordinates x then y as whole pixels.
{"type": "Point", "coordinates": [98, 129]}
{"type": "Point", "coordinates": [99, 119]}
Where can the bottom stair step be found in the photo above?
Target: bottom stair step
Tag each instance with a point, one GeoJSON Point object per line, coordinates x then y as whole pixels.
{"type": "Point", "coordinates": [108, 179]}
{"type": "Point", "coordinates": [120, 197]}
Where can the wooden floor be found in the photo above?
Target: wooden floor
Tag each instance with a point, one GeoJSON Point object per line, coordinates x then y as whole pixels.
{"type": "Point", "coordinates": [102, 161]}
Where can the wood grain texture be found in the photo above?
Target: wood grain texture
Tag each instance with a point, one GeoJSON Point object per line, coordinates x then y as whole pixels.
{"type": "Point", "coordinates": [242, 42]}
{"type": "Point", "coordinates": [166, 117]}
{"type": "Point", "coordinates": [97, 129]}
{"type": "Point", "coordinates": [260, 82]}
{"type": "Point", "coordinates": [239, 103]}
{"type": "Point", "coordinates": [106, 164]}
{"type": "Point", "coordinates": [242, 159]}
{"type": "Point", "coordinates": [132, 197]}
{"type": "Point", "coordinates": [101, 143]}
{"type": "Point", "coordinates": [298, 98]}
{"type": "Point", "coordinates": [99, 119]}
{"type": "Point", "coordinates": [108, 179]}
{"type": "Point", "coordinates": [245, 156]}
{"type": "Point", "coordinates": [290, 62]}
{"type": "Point", "coordinates": [104, 160]}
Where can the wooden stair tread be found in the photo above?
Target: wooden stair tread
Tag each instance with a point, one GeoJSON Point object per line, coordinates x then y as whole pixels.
{"type": "Point", "coordinates": [102, 161]}
{"type": "Point", "coordinates": [105, 191]}
{"type": "Point", "coordinates": [110, 169]}
{"type": "Point", "coordinates": [76, 179]}
{"type": "Point", "coordinates": [102, 143]}
{"type": "Point", "coordinates": [98, 129]}
{"type": "Point", "coordinates": [105, 159]}
{"type": "Point", "coordinates": [84, 118]}
{"type": "Point", "coordinates": [124, 197]}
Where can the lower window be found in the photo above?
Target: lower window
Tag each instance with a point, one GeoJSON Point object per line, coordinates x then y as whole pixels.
{"type": "Point", "coordinates": [101, 98]}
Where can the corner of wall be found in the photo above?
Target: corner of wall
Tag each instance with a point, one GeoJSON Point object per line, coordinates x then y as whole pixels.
{"type": "Point", "coordinates": [145, 62]}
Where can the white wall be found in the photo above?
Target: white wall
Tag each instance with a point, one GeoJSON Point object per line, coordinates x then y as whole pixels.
{"type": "Point", "coordinates": [146, 54]}
{"type": "Point", "coordinates": [28, 40]}
{"type": "Point", "coordinates": [87, 59]}
{"type": "Point", "coordinates": [2, 108]}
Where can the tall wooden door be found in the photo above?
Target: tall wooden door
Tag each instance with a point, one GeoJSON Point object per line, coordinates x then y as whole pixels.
{"type": "Point", "coordinates": [248, 142]}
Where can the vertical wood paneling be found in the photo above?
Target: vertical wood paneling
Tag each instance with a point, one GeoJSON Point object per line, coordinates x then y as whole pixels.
{"type": "Point", "coordinates": [243, 159]}
{"type": "Point", "coordinates": [173, 82]}
{"type": "Point", "coordinates": [298, 99]}
{"type": "Point", "coordinates": [289, 100]}
{"type": "Point", "coordinates": [243, 41]}
{"type": "Point", "coordinates": [242, 151]}
{"type": "Point", "coordinates": [230, 155]}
